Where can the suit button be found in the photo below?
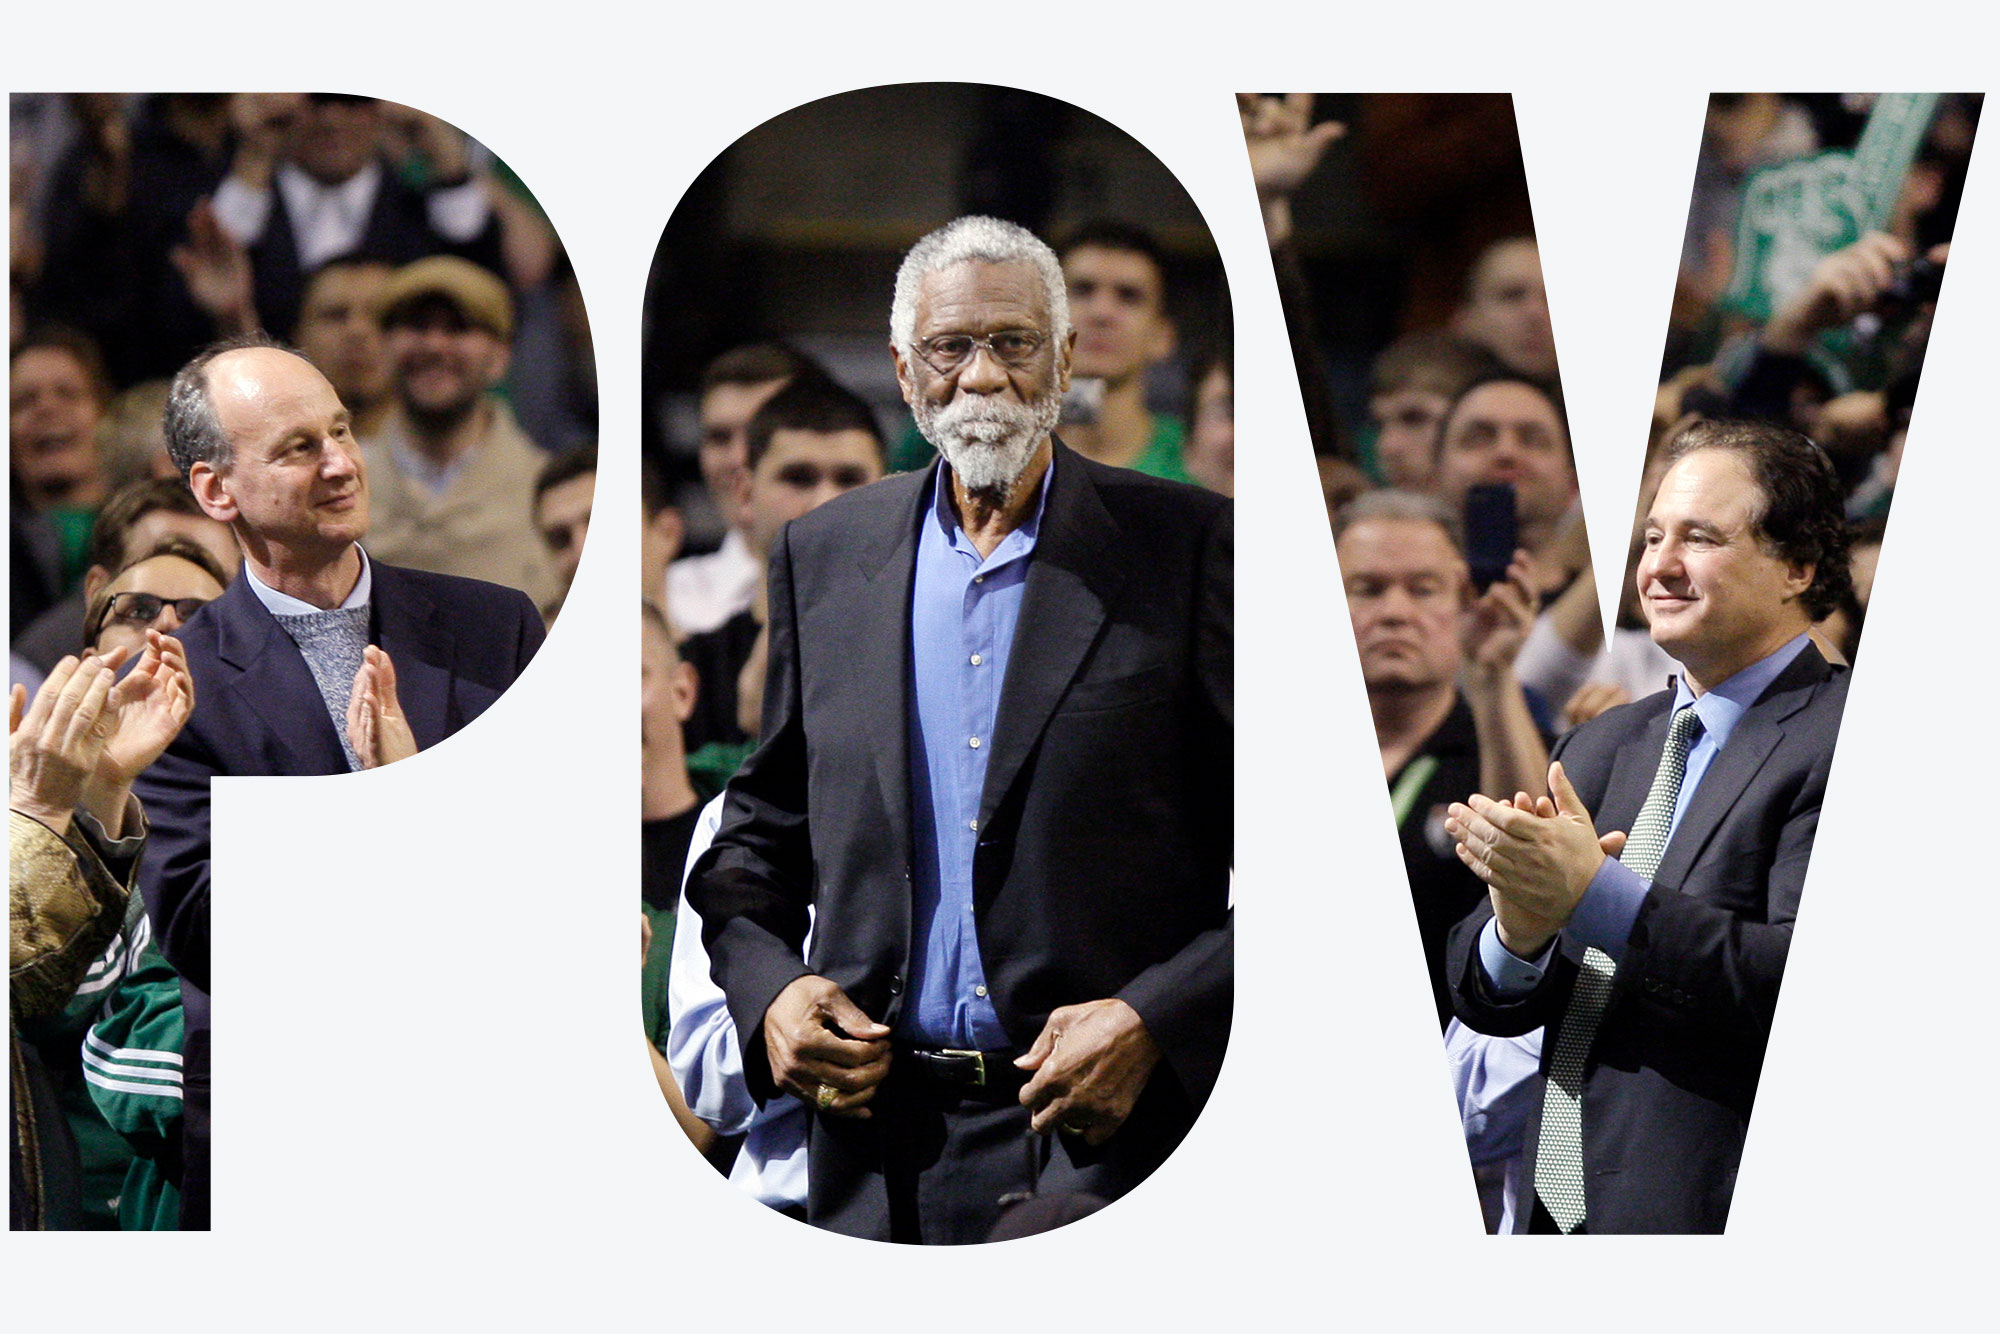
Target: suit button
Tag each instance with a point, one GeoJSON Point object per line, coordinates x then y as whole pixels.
{"type": "Point", "coordinates": [895, 984]}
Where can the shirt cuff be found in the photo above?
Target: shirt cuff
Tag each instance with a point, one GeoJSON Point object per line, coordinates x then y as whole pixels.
{"type": "Point", "coordinates": [1511, 976]}
{"type": "Point", "coordinates": [241, 210]}
{"type": "Point", "coordinates": [459, 212]}
{"type": "Point", "coordinates": [1604, 915]}
{"type": "Point", "coordinates": [119, 855]}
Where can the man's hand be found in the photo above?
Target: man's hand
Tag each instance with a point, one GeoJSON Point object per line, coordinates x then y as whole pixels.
{"type": "Point", "coordinates": [377, 728]}
{"type": "Point", "coordinates": [147, 711]}
{"type": "Point", "coordinates": [1537, 860]}
{"type": "Point", "coordinates": [1090, 1063]}
{"type": "Point", "coordinates": [1592, 698]}
{"type": "Point", "coordinates": [413, 133]}
{"type": "Point", "coordinates": [1285, 146]}
{"type": "Point", "coordinates": [263, 123]}
{"type": "Point", "coordinates": [1845, 283]}
{"type": "Point", "coordinates": [1497, 624]}
{"type": "Point", "coordinates": [215, 268]}
{"type": "Point", "coordinates": [56, 745]}
{"type": "Point", "coordinates": [823, 1050]}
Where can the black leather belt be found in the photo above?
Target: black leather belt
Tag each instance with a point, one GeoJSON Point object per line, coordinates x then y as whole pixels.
{"type": "Point", "coordinates": [992, 1071]}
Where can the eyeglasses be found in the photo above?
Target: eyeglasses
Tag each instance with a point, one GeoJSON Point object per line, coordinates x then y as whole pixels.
{"type": "Point", "coordinates": [145, 608]}
{"type": "Point", "coordinates": [949, 353]}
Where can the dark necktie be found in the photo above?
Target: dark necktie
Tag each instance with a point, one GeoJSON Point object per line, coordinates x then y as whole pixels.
{"type": "Point", "coordinates": [1559, 1151]}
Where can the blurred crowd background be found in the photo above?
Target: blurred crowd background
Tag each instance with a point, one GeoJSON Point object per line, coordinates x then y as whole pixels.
{"type": "Point", "coordinates": [418, 273]}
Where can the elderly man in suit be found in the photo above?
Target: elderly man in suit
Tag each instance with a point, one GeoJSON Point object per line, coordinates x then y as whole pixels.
{"type": "Point", "coordinates": [996, 762]}
{"type": "Point", "coordinates": [1653, 954]}
{"type": "Point", "coordinates": [316, 660]}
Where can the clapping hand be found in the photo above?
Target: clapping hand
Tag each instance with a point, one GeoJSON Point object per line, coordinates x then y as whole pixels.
{"type": "Point", "coordinates": [377, 727]}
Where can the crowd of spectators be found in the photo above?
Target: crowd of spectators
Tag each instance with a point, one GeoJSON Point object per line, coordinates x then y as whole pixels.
{"type": "Point", "coordinates": [1432, 380]}
{"type": "Point", "coordinates": [401, 258]}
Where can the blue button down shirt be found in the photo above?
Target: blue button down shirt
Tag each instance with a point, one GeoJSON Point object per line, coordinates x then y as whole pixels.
{"type": "Point", "coordinates": [962, 617]}
{"type": "Point", "coordinates": [1605, 913]}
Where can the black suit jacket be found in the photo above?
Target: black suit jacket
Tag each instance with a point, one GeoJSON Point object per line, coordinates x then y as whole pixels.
{"type": "Point", "coordinates": [1673, 1069]}
{"type": "Point", "coordinates": [457, 644]}
{"type": "Point", "coordinates": [398, 231]}
{"type": "Point", "coordinates": [1102, 867]}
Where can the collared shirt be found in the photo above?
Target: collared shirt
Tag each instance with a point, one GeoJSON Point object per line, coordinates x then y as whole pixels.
{"type": "Point", "coordinates": [1604, 915]}
{"type": "Point", "coordinates": [703, 592]}
{"type": "Point", "coordinates": [963, 612]}
{"type": "Point", "coordinates": [329, 221]}
{"type": "Point", "coordinates": [701, 1048]}
{"type": "Point", "coordinates": [284, 604]}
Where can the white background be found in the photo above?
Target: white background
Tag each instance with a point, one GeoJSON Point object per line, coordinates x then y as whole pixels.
{"type": "Point", "coordinates": [431, 1107]}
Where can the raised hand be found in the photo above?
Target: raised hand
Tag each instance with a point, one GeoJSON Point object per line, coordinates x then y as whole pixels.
{"type": "Point", "coordinates": [1536, 862]}
{"type": "Point", "coordinates": [1285, 147]}
{"type": "Point", "coordinates": [216, 269]}
{"type": "Point", "coordinates": [54, 748]}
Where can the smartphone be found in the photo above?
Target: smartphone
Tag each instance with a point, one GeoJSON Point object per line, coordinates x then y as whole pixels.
{"type": "Point", "coordinates": [1492, 532]}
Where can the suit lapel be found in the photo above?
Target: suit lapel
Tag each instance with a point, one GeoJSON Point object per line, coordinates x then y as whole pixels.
{"type": "Point", "coordinates": [270, 675]}
{"type": "Point", "coordinates": [1755, 736]}
{"type": "Point", "coordinates": [1073, 577]}
{"type": "Point", "coordinates": [879, 613]}
{"type": "Point", "coordinates": [418, 641]}
{"type": "Point", "coordinates": [1632, 774]}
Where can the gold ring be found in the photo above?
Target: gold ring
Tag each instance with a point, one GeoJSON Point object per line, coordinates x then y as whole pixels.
{"type": "Point", "coordinates": [827, 1093]}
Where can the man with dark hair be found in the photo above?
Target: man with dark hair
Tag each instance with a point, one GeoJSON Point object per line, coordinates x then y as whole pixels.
{"type": "Point", "coordinates": [1411, 387]}
{"type": "Point", "coordinates": [133, 522]}
{"type": "Point", "coordinates": [704, 591]}
{"type": "Point", "coordinates": [996, 763]}
{"type": "Point", "coordinates": [340, 331]}
{"type": "Point", "coordinates": [1506, 308]}
{"type": "Point", "coordinates": [56, 394]}
{"type": "Point", "coordinates": [1653, 953]}
{"type": "Point", "coordinates": [1506, 428]}
{"type": "Point", "coordinates": [317, 660]}
{"type": "Point", "coordinates": [1117, 277]}
{"type": "Point", "coordinates": [563, 494]}
{"type": "Point", "coordinates": [453, 471]}
{"type": "Point", "coordinates": [812, 441]}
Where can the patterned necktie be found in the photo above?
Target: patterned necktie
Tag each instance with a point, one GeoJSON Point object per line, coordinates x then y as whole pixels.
{"type": "Point", "coordinates": [1559, 1151]}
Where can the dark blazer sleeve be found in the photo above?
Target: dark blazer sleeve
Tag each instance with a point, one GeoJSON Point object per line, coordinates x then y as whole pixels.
{"type": "Point", "coordinates": [1700, 971]}
{"type": "Point", "coordinates": [753, 886]}
{"type": "Point", "coordinates": [1186, 1001]}
{"type": "Point", "coordinates": [173, 874]}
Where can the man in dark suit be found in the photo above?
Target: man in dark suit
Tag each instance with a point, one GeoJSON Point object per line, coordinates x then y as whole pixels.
{"type": "Point", "coordinates": [315, 661]}
{"type": "Point", "coordinates": [1653, 955]}
{"type": "Point", "coordinates": [996, 761]}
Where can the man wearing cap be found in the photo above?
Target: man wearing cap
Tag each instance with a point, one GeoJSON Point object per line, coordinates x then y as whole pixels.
{"type": "Point", "coordinates": [453, 473]}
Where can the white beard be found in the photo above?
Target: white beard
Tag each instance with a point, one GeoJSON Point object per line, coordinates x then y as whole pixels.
{"type": "Point", "coordinates": [987, 442]}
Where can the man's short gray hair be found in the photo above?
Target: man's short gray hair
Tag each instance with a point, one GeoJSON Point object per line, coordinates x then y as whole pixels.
{"type": "Point", "coordinates": [194, 433]}
{"type": "Point", "coordinates": [975, 237]}
{"type": "Point", "coordinates": [1390, 506]}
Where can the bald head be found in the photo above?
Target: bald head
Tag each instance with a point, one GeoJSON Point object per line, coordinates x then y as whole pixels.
{"type": "Point", "coordinates": [267, 447]}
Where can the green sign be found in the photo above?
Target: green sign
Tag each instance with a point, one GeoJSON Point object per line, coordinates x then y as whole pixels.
{"type": "Point", "coordinates": [1797, 213]}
